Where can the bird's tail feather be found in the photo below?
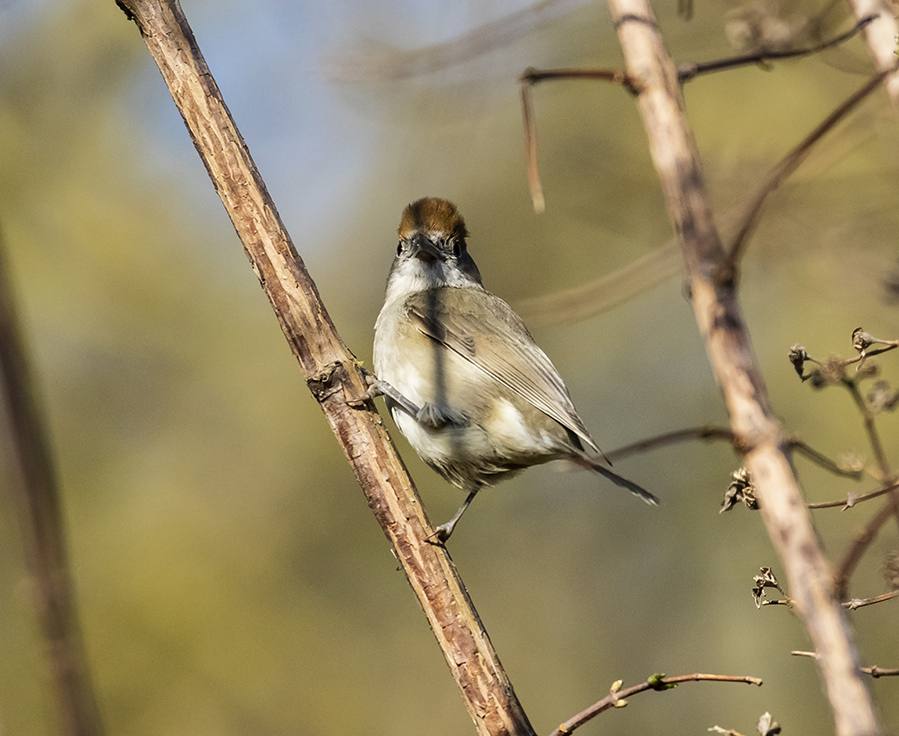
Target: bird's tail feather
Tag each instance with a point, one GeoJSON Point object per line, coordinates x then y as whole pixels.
{"type": "Point", "coordinates": [595, 465]}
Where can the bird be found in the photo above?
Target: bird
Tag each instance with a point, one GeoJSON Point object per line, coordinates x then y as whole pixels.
{"type": "Point", "coordinates": [463, 379]}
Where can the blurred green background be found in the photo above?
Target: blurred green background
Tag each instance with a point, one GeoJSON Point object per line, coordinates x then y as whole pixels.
{"type": "Point", "coordinates": [230, 576]}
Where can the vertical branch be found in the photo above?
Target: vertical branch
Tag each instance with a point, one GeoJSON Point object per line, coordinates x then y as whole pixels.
{"type": "Point", "coordinates": [35, 490]}
{"type": "Point", "coordinates": [713, 285]}
{"type": "Point", "coordinates": [331, 372]}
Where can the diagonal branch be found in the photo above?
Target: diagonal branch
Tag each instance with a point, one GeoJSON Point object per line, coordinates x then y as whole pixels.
{"type": "Point", "coordinates": [718, 314]}
{"type": "Point", "coordinates": [332, 373]}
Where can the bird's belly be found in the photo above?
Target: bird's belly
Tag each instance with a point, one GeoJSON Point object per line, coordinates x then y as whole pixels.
{"type": "Point", "coordinates": [483, 449]}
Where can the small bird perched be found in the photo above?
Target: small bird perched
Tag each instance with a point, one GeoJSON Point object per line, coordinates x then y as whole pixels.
{"type": "Point", "coordinates": [464, 380]}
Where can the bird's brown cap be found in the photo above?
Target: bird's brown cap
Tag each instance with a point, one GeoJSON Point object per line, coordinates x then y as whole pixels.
{"type": "Point", "coordinates": [432, 215]}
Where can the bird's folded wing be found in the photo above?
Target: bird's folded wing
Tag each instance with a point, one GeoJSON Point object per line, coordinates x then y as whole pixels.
{"type": "Point", "coordinates": [455, 318]}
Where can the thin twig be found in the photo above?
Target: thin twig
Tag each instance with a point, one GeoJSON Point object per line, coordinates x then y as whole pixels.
{"type": "Point", "coordinates": [823, 461]}
{"type": "Point", "coordinates": [725, 731]}
{"type": "Point", "coordinates": [707, 432]}
{"type": "Point", "coordinates": [617, 697]}
{"type": "Point", "coordinates": [870, 429]}
{"type": "Point", "coordinates": [533, 76]}
{"type": "Point", "coordinates": [874, 671]}
{"type": "Point", "coordinates": [850, 604]}
{"type": "Point", "coordinates": [859, 546]}
{"type": "Point", "coordinates": [852, 500]}
{"type": "Point", "coordinates": [530, 146]}
{"type": "Point", "coordinates": [787, 602]}
{"type": "Point", "coordinates": [867, 354]}
{"type": "Point", "coordinates": [868, 419]}
{"type": "Point", "coordinates": [789, 163]}
{"type": "Point", "coordinates": [712, 432]}
{"type": "Point", "coordinates": [36, 493]}
{"type": "Point", "coordinates": [862, 602]}
{"type": "Point", "coordinates": [526, 81]}
{"type": "Point", "coordinates": [686, 72]}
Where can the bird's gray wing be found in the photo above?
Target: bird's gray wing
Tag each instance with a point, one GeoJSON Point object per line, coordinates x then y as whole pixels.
{"type": "Point", "coordinates": [477, 326]}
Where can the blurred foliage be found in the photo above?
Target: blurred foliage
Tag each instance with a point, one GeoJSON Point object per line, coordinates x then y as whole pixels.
{"type": "Point", "coordinates": [230, 577]}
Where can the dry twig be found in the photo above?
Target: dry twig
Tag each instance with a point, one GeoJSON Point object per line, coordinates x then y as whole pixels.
{"type": "Point", "coordinates": [587, 300]}
{"type": "Point", "coordinates": [859, 546]}
{"type": "Point", "coordinates": [862, 602]}
{"type": "Point", "coordinates": [686, 72]}
{"type": "Point", "coordinates": [851, 499]}
{"type": "Point", "coordinates": [874, 671]}
{"type": "Point", "coordinates": [617, 698]}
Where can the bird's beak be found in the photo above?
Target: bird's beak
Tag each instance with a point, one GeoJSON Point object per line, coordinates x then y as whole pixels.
{"type": "Point", "coordinates": [426, 250]}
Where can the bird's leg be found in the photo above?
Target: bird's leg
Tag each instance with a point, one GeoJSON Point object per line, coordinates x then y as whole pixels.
{"type": "Point", "coordinates": [443, 532]}
{"type": "Point", "coordinates": [429, 415]}
{"type": "Point", "coordinates": [377, 387]}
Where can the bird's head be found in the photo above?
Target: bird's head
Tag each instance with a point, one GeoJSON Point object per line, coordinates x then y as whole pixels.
{"type": "Point", "coordinates": [432, 252]}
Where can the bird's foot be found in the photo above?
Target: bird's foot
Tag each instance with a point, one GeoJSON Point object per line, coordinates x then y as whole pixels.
{"type": "Point", "coordinates": [441, 533]}
{"type": "Point", "coordinates": [377, 387]}
{"type": "Point", "coordinates": [437, 417]}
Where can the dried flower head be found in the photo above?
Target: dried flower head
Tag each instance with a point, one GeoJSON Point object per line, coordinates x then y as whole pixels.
{"type": "Point", "coordinates": [740, 489]}
{"type": "Point", "coordinates": [798, 356]}
{"type": "Point", "coordinates": [765, 579]}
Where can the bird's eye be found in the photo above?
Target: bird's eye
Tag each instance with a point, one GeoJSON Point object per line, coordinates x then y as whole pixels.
{"type": "Point", "coordinates": [399, 248]}
{"type": "Point", "coordinates": [457, 249]}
